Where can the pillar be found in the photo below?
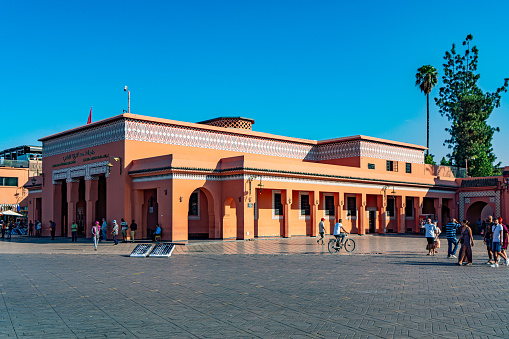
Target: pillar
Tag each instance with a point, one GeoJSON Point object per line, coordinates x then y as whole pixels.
{"type": "Point", "coordinates": [314, 213]}
{"type": "Point", "coordinates": [361, 213]}
{"type": "Point", "coordinates": [438, 211]}
{"type": "Point", "coordinates": [287, 206]}
{"type": "Point", "coordinates": [91, 195]}
{"type": "Point", "coordinates": [137, 214]}
{"type": "Point", "coordinates": [72, 200]}
{"type": "Point", "coordinates": [56, 216]}
{"type": "Point", "coordinates": [382, 219]}
{"type": "Point", "coordinates": [418, 201]}
{"type": "Point", "coordinates": [400, 213]}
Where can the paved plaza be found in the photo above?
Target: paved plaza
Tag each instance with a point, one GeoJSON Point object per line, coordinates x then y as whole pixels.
{"type": "Point", "coordinates": [266, 288]}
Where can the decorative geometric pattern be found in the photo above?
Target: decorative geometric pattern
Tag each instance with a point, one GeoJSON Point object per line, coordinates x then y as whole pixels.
{"type": "Point", "coordinates": [88, 171]}
{"type": "Point", "coordinates": [99, 135]}
{"type": "Point", "coordinates": [230, 123]}
{"type": "Point", "coordinates": [467, 200]}
{"type": "Point", "coordinates": [463, 196]}
{"type": "Point", "coordinates": [202, 177]}
{"type": "Point", "coordinates": [171, 134]}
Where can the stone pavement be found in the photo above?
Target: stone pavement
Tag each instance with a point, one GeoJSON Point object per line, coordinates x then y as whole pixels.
{"type": "Point", "coordinates": [278, 288]}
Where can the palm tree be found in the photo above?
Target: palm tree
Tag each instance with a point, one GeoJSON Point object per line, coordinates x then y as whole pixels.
{"type": "Point", "coordinates": [426, 78]}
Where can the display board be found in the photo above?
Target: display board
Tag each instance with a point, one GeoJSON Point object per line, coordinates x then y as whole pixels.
{"type": "Point", "coordinates": [141, 250]}
{"type": "Point", "coordinates": [162, 250]}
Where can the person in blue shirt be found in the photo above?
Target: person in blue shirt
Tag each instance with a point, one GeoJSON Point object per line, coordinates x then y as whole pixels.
{"type": "Point", "coordinates": [452, 242]}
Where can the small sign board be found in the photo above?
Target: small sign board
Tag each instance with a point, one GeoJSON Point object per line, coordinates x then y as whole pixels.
{"type": "Point", "coordinates": [249, 205]}
{"type": "Point", "coordinates": [141, 250]}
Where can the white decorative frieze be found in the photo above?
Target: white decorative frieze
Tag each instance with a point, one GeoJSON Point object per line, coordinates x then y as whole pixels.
{"type": "Point", "coordinates": [170, 134]}
{"type": "Point", "coordinates": [465, 196]}
{"type": "Point", "coordinates": [87, 171]}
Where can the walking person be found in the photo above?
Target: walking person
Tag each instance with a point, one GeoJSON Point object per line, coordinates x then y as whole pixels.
{"type": "Point", "coordinates": [30, 229]}
{"type": "Point", "coordinates": [124, 226]}
{"type": "Point", "coordinates": [115, 232]}
{"type": "Point", "coordinates": [74, 231]}
{"type": "Point", "coordinates": [429, 232]}
{"type": "Point", "coordinates": [498, 238]}
{"type": "Point", "coordinates": [96, 232]}
{"type": "Point", "coordinates": [8, 229]}
{"type": "Point", "coordinates": [488, 234]}
{"type": "Point", "coordinates": [52, 228]}
{"type": "Point", "coordinates": [321, 231]}
{"type": "Point", "coordinates": [134, 228]}
{"type": "Point", "coordinates": [452, 243]}
{"type": "Point", "coordinates": [104, 229]}
{"type": "Point", "coordinates": [466, 241]}
{"type": "Point", "coordinates": [505, 233]}
{"type": "Point", "coordinates": [2, 224]}
{"type": "Point", "coordinates": [38, 228]}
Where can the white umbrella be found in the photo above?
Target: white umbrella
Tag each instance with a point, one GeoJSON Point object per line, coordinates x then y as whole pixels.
{"type": "Point", "coordinates": [11, 213]}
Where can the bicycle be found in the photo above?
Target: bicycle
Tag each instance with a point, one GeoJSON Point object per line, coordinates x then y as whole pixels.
{"type": "Point", "coordinates": [347, 243]}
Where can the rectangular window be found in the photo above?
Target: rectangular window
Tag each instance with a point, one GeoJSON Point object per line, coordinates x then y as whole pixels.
{"type": "Point", "coordinates": [409, 207]}
{"type": "Point", "coordinates": [8, 181]}
{"type": "Point", "coordinates": [408, 167]}
{"type": "Point", "coordinates": [193, 204]}
{"type": "Point", "coordinates": [390, 165]}
{"type": "Point", "coordinates": [278, 206]}
{"type": "Point", "coordinates": [351, 206]}
{"type": "Point", "coordinates": [305, 208]}
{"type": "Point", "coordinates": [371, 166]}
{"type": "Point", "coordinates": [329, 205]}
{"type": "Point", "coordinates": [390, 207]}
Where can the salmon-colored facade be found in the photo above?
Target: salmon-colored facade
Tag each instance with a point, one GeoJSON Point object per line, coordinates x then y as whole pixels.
{"type": "Point", "coordinates": [220, 180]}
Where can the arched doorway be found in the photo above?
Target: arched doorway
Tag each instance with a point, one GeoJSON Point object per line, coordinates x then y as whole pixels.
{"type": "Point", "coordinates": [230, 219]}
{"type": "Point", "coordinates": [478, 210]}
{"type": "Point", "coordinates": [200, 214]}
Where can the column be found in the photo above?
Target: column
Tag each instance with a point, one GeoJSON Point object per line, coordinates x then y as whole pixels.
{"type": "Point", "coordinates": [137, 213]}
{"type": "Point", "coordinates": [418, 201]}
{"type": "Point", "coordinates": [402, 223]}
{"type": "Point", "coordinates": [361, 213]}
{"type": "Point", "coordinates": [72, 200]}
{"type": "Point", "coordinates": [382, 220]}
{"type": "Point", "coordinates": [91, 195]}
{"type": "Point", "coordinates": [438, 211]}
{"type": "Point", "coordinates": [56, 216]}
{"type": "Point", "coordinates": [314, 213]}
{"type": "Point", "coordinates": [287, 206]}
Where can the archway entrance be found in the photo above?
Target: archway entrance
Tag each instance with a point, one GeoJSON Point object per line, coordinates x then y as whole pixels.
{"type": "Point", "coordinates": [230, 219]}
{"type": "Point", "coordinates": [200, 215]}
{"type": "Point", "coordinates": [478, 210]}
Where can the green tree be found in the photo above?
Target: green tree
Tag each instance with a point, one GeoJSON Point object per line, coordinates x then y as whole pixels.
{"type": "Point", "coordinates": [467, 107]}
{"type": "Point", "coordinates": [426, 78]}
{"type": "Point", "coordinates": [429, 159]}
{"type": "Point", "coordinates": [445, 162]}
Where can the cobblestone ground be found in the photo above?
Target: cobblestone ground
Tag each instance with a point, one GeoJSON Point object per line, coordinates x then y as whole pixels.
{"type": "Point", "coordinates": [288, 293]}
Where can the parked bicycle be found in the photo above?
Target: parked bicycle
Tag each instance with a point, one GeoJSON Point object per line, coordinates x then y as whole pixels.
{"type": "Point", "coordinates": [335, 245]}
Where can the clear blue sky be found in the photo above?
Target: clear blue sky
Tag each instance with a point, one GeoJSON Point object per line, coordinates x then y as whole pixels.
{"type": "Point", "coordinates": [307, 69]}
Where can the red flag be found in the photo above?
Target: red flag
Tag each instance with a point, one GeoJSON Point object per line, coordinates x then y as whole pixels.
{"type": "Point", "coordinates": [90, 117]}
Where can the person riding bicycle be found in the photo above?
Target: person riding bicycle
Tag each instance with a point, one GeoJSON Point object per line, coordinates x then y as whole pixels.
{"type": "Point", "coordinates": [339, 232]}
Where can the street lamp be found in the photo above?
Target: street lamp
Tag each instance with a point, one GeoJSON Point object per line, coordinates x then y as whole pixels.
{"type": "Point", "coordinates": [110, 165]}
{"type": "Point", "coordinates": [128, 99]}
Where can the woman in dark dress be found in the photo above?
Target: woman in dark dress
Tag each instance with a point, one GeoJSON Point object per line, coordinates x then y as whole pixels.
{"type": "Point", "coordinates": [467, 241]}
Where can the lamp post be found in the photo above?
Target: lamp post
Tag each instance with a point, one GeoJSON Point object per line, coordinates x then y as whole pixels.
{"type": "Point", "coordinates": [128, 99]}
{"type": "Point", "coordinates": [110, 165]}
